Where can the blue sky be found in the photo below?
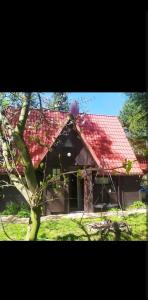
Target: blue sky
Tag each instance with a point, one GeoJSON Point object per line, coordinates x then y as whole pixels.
{"type": "Point", "coordinates": [99, 103]}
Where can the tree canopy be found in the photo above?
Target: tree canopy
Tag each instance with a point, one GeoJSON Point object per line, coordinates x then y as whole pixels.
{"type": "Point", "coordinates": [15, 99]}
{"type": "Point", "coordinates": [59, 102]}
{"type": "Point", "coordinates": [134, 117]}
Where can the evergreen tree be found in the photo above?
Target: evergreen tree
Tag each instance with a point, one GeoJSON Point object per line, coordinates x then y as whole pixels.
{"type": "Point", "coordinates": [59, 102]}
{"type": "Point", "coordinates": [134, 117]}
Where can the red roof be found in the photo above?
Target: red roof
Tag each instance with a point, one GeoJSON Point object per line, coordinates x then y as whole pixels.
{"type": "Point", "coordinates": [103, 136]}
{"type": "Point", "coordinates": [107, 142]}
{"type": "Point", "coordinates": [44, 129]}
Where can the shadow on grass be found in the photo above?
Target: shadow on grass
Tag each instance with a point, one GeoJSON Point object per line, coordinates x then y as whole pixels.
{"type": "Point", "coordinates": [69, 237]}
{"type": "Point", "coordinates": [103, 235]}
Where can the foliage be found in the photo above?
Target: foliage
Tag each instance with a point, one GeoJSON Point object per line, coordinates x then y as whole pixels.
{"type": "Point", "coordinates": [23, 212]}
{"type": "Point", "coordinates": [134, 117]}
{"type": "Point", "coordinates": [79, 173]}
{"type": "Point", "coordinates": [11, 208]}
{"type": "Point", "coordinates": [15, 99]}
{"type": "Point", "coordinates": [20, 209]}
{"type": "Point", "coordinates": [127, 165]}
{"type": "Point", "coordinates": [144, 180]}
{"type": "Point", "coordinates": [130, 116]}
{"type": "Point", "coordinates": [114, 209]}
{"type": "Point", "coordinates": [59, 102]}
{"type": "Point", "coordinates": [137, 204]}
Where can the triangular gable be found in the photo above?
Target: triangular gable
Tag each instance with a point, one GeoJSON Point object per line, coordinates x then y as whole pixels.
{"type": "Point", "coordinates": [50, 128]}
{"type": "Point", "coordinates": [41, 130]}
{"type": "Point", "coordinates": [87, 145]}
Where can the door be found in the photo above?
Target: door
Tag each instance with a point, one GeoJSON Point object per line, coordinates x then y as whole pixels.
{"type": "Point", "coordinates": [76, 193]}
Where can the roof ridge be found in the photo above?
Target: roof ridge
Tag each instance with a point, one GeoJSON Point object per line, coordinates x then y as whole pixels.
{"type": "Point", "coordinates": [66, 112]}
{"type": "Point", "coordinates": [103, 115]}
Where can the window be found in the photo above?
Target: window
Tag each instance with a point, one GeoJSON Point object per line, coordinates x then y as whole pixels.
{"type": "Point", "coordinates": [101, 180]}
{"type": "Point", "coordinates": [57, 183]}
{"type": "Point", "coordinates": [56, 172]}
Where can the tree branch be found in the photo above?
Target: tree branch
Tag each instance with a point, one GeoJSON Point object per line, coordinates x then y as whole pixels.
{"type": "Point", "coordinates": [14, 179]}
{"type": "Point", "coordinates": [23, 114]}
{"type": "Point", "coordinates": [17, 134]}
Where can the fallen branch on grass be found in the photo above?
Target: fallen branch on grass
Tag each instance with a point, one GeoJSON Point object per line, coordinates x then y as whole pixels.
{"type": "Point", "coordinates": [108, 225]}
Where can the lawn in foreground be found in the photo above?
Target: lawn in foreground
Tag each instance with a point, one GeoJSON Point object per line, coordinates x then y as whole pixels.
{"type": "Point", "coordinates": [69, 230]}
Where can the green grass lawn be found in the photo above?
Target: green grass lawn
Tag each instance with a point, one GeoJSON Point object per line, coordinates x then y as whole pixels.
{"type": "Point", "coordinates": [69, 230]}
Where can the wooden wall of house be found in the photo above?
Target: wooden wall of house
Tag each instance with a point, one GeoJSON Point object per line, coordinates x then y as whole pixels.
{"type": "Point", "coordinates": [129, 189]}
{"type": "Point", "coordinates": [70, 143]}
{"type": "Point", "coordinates": [55, 201]}
{"type": "Point", "coordinates": [107, 197]}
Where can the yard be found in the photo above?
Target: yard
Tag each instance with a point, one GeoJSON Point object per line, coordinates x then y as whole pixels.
{"type": "Point", "coordinates": [66, 229]}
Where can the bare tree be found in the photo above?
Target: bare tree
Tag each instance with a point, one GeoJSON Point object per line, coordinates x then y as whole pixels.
{"type": "Point", "coordinates": [12, 137]}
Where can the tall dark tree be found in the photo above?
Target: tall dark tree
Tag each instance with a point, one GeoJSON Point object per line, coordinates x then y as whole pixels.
{"type": "Point", "coordinates": [15, 99]}
{"type": "Point", "coordinates": [134, 117]}
{"type": "Point", "coordinates": [59, 102]}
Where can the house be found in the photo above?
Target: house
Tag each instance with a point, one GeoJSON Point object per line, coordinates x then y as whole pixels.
{"type": "Point", "coordinates": [91, 152]}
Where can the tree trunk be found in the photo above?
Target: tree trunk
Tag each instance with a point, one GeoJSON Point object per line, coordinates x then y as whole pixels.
{"type": "Point", "coordinates": [34, 224]}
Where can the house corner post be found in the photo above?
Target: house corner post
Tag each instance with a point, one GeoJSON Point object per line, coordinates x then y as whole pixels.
{"type": "Point", "coordinates": [88, 192]}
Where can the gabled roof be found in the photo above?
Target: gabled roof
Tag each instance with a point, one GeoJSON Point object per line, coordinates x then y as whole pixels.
{"type": "Point", "coordinates": [103, 136]}
{"type": "Point", "coordinates": [107, 142]}
{"type": "Point", "coordinates": [43, 136]}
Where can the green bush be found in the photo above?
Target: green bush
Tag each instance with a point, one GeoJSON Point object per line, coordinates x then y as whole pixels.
{"type": "Point", "coordinates": [137, 204]}
{"type": "Point", "coordinates": [11, 208]}
{"type": "Point", "coordinates": [114, 209]}
{"type": "Point", "coordinates": [23, 213]}
{"type": "Point", "coordinates": [17, 209]}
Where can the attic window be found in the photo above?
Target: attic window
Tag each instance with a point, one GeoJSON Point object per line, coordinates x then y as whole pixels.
{"type": "Point", "coordinates": [102, 180]}
{"type": "Point", "coordinates": [55, 172]}
{"type": "Point", "coordinates": [68, 143]}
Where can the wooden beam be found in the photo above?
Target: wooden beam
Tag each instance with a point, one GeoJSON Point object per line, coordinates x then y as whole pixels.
{"type": "Point", "coordinates": [66, 194]}
{"type": "Point", "coordinates": [78, 193]}
{"type": "Point", "coordinates": [88, 192]}
{"type": "Point", "coordinates": [119, 193]}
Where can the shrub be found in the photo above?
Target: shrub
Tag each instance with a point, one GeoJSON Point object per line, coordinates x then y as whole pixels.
{"type": "Point", "coordinates": [23, 213]}
{"type": "Point", "coordinates": [137, 204]}
{"type": "Point", "coordinates": [14, 208]}
{"type": "Point", "coordinates": [11, 208]}
{"type": "Point", "coordinates": [114, 209]}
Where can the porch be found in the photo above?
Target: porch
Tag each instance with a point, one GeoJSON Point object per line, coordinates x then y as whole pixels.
{"type": "Point", "coordinates": [81, 193]}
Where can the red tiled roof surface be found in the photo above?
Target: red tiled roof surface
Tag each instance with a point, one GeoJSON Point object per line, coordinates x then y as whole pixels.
{"type": "Point", "coordinates": [106, 140]}
{"type": "Point", "coordinates": [41, 131]}
{"type": "Point", "coordinates": [103, 136]}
